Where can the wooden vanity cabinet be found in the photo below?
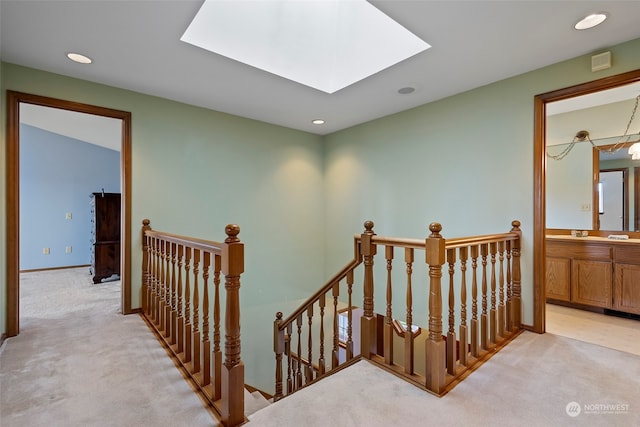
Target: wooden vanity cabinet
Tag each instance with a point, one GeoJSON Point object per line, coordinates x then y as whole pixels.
{"type": "Point", "coordinates": [626, 295]}
{"type": "Point", "coordinates": [559, 278]}
{"type": "Point", "coordinates": [594, 272]}
{"type": "Point", "coordinates": [592, 283]}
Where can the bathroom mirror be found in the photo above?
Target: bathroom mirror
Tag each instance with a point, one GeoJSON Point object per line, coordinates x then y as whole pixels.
{"type": "Point", "coordinates": [591, 180]}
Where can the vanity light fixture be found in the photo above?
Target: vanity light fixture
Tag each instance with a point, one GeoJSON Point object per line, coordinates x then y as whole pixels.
{"type": "Point", "coordinates": [624, 140]}
{"type": "Point", "coordinates": [79, 58]}
{"type": "Point", "coordinates": [318, 122]}
{"type": "Point", "coordinates": [590, 21]}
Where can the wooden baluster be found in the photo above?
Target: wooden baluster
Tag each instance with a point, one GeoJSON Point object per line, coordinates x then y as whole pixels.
{"type": "Point", "coordinates": [509, 307]}
{"type": "Point", "coordinates": [298, 358]}
{"type": "Point", "coordinates": [187, 305]}
{"type": "Point", "coordinates": [167, 289]}
{"type": "Point", "coordinates": [516, 275]}
{"type": "Point", "coordinates": [161, 286]}
{"type": "Point", "coordinates": [368, 336]}
{"type": "Point", "coordinates": [435, 348]}
{"type": "Point", "coordinates": [335, 352]}
{"type": "Point", "coordinates": [174, 304]}
{"type": "Point", "coordinates": [217, 351]}
{"type": "Point", "coordinates": [149, 277]}
{"type": "Point", "coordinates": [156, 281]}
{"type": "Point", "coordinates": [475, 350]}
{"type": "Point", "coordinates": [388, 318]}
{"type": "Point", "coordinates": [206, 344]}
{"type": "Point", "coordinates": [408, 334]}
{"type": "Point", "coordinates": [350, 316]}
{"type": "Point", "coordinates": [501, 318]}
{"type": "Point", "coordinates": [308, 370]}
{"type": "Point", "coordinates": [287, 351]}
{"type": "Point", "coordinates": [278, 349]}
{"type": "Point", "coordinates": [484, 327]}
{"type": "Point", "coordinates": [195, 355]}
{"type": "Point", "coordinates": [451, 333]}
{"type": "Point", "coordinates": [180, 310]}
{"type": "Point", "coordinates": [321, 361]}
{"type": "Point", "coordinates": [145, 266]}
{"type": "Point", "coordinates": [233, 370]}
{"type": "Point", "coordinates": [493, 314]}
{"type": "Point", "coordinates": [152, 279]}
{"type": "Point", "coordinates": [464, 343]}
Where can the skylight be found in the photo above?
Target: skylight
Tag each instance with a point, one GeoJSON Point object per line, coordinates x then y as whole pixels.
{"type": "Point", "coordinates": [327, 45]}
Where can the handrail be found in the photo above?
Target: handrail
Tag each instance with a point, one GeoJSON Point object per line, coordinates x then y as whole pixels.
{"type": "Point", "coordinates": [200, 244]}
{"type": "Point", "coordinates": [335, 279]}
{"type": "Point", "coordinates": [449, 243]}
{"type": "Point", "coordinates": [473, 240]}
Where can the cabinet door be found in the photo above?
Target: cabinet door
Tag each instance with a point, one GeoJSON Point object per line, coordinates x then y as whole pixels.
{"type": "Point", "coordinates": [559, 278]}
{"type": "Point", "coordinates": [627, 288]}
{"type": "Point", "coordinates": [592, 283]}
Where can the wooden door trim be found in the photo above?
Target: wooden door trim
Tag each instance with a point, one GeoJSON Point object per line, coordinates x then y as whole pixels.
{"type": "Point", "coordinates": [539, 178]}
{"type": "Point", "coordinates": [13, 196]}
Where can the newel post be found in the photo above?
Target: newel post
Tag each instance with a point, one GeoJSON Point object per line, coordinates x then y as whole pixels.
{"type": "Point", "coordinates": [435, 347]}
{"type": "Point", "coordinates": [233, 371]}
{"type": "Point", "coordinates": [278, 348]}
{"type": "Point", "coordinates": [368, 322]}
{"type": "Point", "coordinates": [145, 265]}
{"type": "Point", "coordinates": [516, 306]}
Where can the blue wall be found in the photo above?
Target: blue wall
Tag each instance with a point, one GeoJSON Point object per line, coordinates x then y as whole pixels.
{"type": "Point", "coordinates": [57, 176]}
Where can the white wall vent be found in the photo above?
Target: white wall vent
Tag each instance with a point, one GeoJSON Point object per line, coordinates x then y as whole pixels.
{"type": "Point", "coordinates": [601, 61]}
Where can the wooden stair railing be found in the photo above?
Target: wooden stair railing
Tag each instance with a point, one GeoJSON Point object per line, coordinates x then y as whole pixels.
{"type": "Point", "coordinates": [176, 293]}
{"type": "Point", "coordinates": [436, 361]}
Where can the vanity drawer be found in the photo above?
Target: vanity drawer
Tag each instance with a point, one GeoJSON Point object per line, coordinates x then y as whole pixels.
{"type": "Point", "coordinates": [627, 254]}
{"type": "Point", "coordinates": [579, 250]}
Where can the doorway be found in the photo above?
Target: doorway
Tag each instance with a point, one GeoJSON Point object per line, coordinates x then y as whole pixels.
{"type": "Point", "coordinates": [539, 170]}
{"type": "Point", "coordinates": [612, 196]}
{"type": "Point", "coordinates": [14, 100]}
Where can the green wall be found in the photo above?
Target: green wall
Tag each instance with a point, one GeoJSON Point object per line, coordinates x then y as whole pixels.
{"type": "Point", "coordinates": [196, 170]}
{"type": "Point", "coordinates": [465, 161]}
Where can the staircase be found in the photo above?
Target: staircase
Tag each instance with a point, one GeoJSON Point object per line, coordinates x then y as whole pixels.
{"type": "Point", "coordinates": [331, 330]}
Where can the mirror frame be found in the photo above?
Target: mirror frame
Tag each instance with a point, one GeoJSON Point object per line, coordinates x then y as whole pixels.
{"type": "Point", "coordinates": [539, 178]}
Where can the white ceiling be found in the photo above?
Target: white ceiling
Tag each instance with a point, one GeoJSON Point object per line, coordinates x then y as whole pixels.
{"type": "Point", "coordinates": [103, 131]}
{"type": "Point", "coordinates": [136, 45]}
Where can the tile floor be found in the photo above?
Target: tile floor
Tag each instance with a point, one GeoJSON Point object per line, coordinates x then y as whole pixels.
{"type": "Point", "coordinates": [608, 331]}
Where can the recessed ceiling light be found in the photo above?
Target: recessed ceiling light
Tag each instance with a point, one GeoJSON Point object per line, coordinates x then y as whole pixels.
{"type": "Point", "coordinates": [591, 21]}
{"type": "Point", "coordinates": [317, 122]}
{"type": "Point", "coordinates": [406, 90]}
{"type": "Point", "coordinates": [77, 57]}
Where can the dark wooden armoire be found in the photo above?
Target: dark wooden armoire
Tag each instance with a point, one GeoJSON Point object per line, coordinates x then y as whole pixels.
{"type": "Point", "coordinates": [105, 236]}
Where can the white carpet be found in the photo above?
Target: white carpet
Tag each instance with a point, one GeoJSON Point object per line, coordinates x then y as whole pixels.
{"type": "Point", "coordinates": [528, 383]}
{"type": "Point", "coordinates": [84, 364]}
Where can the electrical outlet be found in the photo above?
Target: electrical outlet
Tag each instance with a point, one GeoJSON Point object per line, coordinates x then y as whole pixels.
{"type": "Point", "coordinates": [67, 215]}
{"type": "Point", "coordinates": [67, 250]}
{"type": "Point", "coordinates": [46, 251]}
{"type": "Point", "coordinates": [585, 207]}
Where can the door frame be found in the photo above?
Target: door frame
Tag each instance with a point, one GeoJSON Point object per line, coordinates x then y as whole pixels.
{"type": "Point", "coordinates": [14, 99]}
{"type": "Point", "coordinates": [539, 178]}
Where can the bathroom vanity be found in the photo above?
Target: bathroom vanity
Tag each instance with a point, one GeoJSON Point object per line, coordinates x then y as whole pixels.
{"type": "Point", "coordinates": [593, 272]}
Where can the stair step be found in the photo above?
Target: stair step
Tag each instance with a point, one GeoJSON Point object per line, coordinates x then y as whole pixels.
{"type": "Point", "coordinates": [253, 402]}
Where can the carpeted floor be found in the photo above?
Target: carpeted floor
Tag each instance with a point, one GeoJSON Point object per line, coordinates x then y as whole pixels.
{"type": "Point", "coordinates": [78, 362]}
{"type": "Point", "coordinates": [531, 382]}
